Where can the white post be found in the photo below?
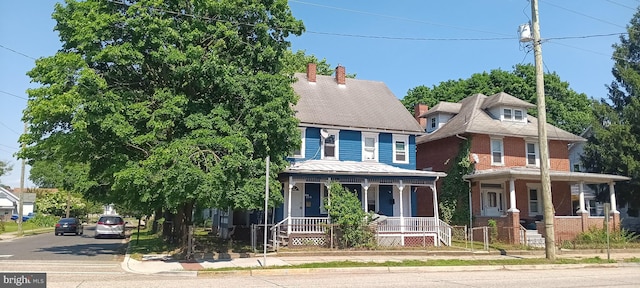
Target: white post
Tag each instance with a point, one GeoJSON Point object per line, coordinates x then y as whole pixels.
{"type": "Point", "coordinates": [401, 188]}
{"type": "Point", "coordinates": [512, 196]}
{"type": "Point", "coordinates": [581, 198]}
{"type": "Point", "coordinates": [612, 197]}
{"type": "Point", "coordinates": [365, 187]}
{"type": "Point", "coordinates": [436, 215]}
{"type": "Point", "coordinates": [291, 184]}
{"type": "Point", "coordinates": [266, 216]}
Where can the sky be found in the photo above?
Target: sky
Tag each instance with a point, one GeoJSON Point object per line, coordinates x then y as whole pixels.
{"type": "Point", "coordinates": [405, 44]}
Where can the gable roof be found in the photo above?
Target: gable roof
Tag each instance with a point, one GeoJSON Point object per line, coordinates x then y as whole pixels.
{"type": "Point", "coordinates": [359, 104]}
{"type": "Point", "coordinates": [443, 107]}
{"type": "Point", "coordinates": [6, 194]}
{"type": "Point", "coordinates": [472, 118]}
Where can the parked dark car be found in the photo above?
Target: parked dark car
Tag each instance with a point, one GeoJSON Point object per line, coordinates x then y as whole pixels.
{"type": "Point", "coordinates": [69, 225]}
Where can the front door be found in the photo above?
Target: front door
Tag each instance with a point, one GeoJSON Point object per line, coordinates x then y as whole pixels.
{"type": "Point", "coordinates": [297, 200]}
{"type": "Point", "coordinates": [492, 202]}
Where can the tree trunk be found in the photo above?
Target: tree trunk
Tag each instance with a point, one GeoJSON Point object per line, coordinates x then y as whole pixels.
{"type": "Point", "coordinates": [157, 214]}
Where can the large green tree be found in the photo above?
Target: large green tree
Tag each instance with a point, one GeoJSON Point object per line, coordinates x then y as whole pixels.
{"type": "Point", "coordinates": [566, 108]}
{"type": "Point", "coordinates": [169, 103]}
{"type": "Point", "coordinates": [615, 143]}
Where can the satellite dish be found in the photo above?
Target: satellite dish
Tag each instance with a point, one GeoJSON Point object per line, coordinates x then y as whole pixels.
{"type": "Point", "coordinates": [324, 133]}
{"type": "Point", "coordinates": [475, 158]}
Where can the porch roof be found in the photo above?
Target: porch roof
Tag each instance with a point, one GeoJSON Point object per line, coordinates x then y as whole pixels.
{"type": "Point", "coordinates": [534, 174]}
{"type": "Point", "coordinates": [353, 168]}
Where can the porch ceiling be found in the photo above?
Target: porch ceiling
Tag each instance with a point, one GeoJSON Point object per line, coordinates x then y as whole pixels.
{"type": "Point", "coordinates": [534, 174]}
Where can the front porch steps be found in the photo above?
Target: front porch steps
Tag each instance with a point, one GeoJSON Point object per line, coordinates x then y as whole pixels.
{"type": "Point", "coordinates": [534, 239]}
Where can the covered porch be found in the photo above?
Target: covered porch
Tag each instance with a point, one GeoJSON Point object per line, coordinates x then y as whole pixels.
{"type": "Point", "coordinates": [512, 197]}
{"type": "Point", "coordinates": [388, 192]}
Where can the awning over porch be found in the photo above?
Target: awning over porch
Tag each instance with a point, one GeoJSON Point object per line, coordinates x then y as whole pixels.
{"type": "Point", "coordinates": [525, 173]}
{"type": "Point", "coordinates": [534, 174]}
{"type": "Point", "coordinates": [356, 172]}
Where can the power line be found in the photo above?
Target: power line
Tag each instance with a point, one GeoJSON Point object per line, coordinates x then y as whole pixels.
{"type": "Point", "coordinates": [582, 14]}
{"type": "Point", "coordinates": [14, 95]}
{"type": "Point", "coordinates": [14, 148]}
{"type": "Point", "coordinates": [17, 52]}
{"type": "Point", "coordinates": [397, 18]}
{"type": "Point", "coordinates": [9, 128]}
{"type": "Point", "coordinates": [622, 5]}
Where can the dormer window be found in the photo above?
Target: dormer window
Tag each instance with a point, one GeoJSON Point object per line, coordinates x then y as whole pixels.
{"type": "Point", "coordinates": [433, 122]}
{"type": "Point", "coordinates": [510, 114]}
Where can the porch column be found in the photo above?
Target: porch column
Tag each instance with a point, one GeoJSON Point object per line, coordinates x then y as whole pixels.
{"type": "Point", "coordinates": [291, 184]}
{"type": "Point", "coordinates": [365, 187]}
{"type": "Point", "coordinates": [512, 196]}
{"type": "Point", "coordinates": [436, 215]}
{"type": "Point", "coordinates": [612, 196]}
{"type": "Point", "coordinates": [581, 197]}
{"type": "Point", "coordinates": [401, 188]}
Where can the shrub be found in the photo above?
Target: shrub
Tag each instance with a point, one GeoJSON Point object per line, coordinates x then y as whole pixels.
{"type": "Point", "coordinates": [599, 236]}
{"type": "Point", "coordinates": [346, 212]}
{"type": "Point", "coordinates": [41, 220]}
{"type": "Point", "coordinates": [493, 226]}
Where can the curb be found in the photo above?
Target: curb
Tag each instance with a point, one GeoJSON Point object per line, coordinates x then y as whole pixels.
{"type": "Point", "coordinates": [378, 270]}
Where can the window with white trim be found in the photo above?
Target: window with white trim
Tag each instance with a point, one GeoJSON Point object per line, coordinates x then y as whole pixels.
{"type": "Point", "coordinates": [400, 149]}
{"type": "Point", "coordinates": [535, 200]}
{"type": "Point", "coordinates": [434, 122]}
{"type": "Point", "coordinates": [330, 145]}
{"type": "Point", "coordinates": [532, 154]}
{"type": "Point", "coordinates": [497, 152]}
{"type": "Point", "coordinates": [369, 146]}
{"type": "Point", "coordinates": [506, 113]}
{"type": "Point", "coordinates": [299, 153]}
{"type": "Point", "coordinates": [518, 115]}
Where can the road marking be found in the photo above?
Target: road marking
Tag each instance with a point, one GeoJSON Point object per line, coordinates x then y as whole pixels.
{"type": "Point", "coordinates": [5, 256]}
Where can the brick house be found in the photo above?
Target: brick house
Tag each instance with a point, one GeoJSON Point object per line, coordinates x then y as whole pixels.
{"type": "Point", "coordinates": [505, 185]}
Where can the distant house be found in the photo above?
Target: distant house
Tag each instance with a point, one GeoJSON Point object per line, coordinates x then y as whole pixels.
{"type": "Point", "coordinates": [505, 185]}
{"type": "Point", "coordinates": [8, 204]}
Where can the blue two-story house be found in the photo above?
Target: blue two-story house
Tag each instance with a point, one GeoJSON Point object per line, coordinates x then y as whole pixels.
{"type": "Point", "coordinates": [356, 132]}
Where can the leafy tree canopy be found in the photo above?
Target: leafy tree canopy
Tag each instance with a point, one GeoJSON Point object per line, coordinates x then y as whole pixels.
{"type": "Point", "coordinates": [167, 103]}
{"type": "Point", "coordinates": [4, 168]}
{"type": "Point", "coordinates": [614, 146]}
{"type": "Point", "coordinates": [566, 108]}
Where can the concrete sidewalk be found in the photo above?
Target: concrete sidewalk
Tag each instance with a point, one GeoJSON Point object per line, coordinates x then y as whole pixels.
{"type": "Point", "coordinates": [164, 265]}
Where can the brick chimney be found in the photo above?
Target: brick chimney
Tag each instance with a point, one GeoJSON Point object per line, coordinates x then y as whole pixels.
{"type": "Point", "coordinates": [418, 110]}
{"type": "Point", "coordinates": [340, 75]}
{"type": "Point", "coordinates": [311, 72]}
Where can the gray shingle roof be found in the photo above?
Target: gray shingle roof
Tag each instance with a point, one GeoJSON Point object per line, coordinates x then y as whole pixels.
{"type": "Point", "coordinates": [359, 104]}
{"type": "Point", "coordinates": [473, 118]}
{"type": "Point", "coordinates": [443, 107]}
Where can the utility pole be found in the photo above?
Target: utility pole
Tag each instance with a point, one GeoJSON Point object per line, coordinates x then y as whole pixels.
{"type": "Point", "coordinates": [20, 205]}
{"type": "Point", "coordinates": [545, 180]}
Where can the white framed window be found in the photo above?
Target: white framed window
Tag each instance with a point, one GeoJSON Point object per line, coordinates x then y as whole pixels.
{"type": "Point", "coordinates": [369, 146]}
{"type": "Point", "coordinates": [533, 158]}
{"type": "Point", "coordinates": [535, 199]}
{"type": "Point", "coordinates": [497, 151]}
{"type": "Point", "coordinates": [330, 145]}
{"type": "Point", "coordinates": [401, 149]}
{"type": "Point", "coordinates": [372, 199]}
{"type": "Point", "coordinates": [434, 122]}
{"type": "Point", "coordinates": [299, 153]}
{"type": "Point", "coordinates": [518, 115]}
{"type": "Point", "coordinates": [506, 114]}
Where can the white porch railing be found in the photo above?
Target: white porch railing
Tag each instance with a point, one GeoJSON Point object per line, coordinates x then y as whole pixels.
{"type": "Point", "coordinates": [417, 225]}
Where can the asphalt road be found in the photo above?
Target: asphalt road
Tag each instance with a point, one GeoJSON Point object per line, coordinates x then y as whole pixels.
{"type": "Point", "coordinates": [62, 248]}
